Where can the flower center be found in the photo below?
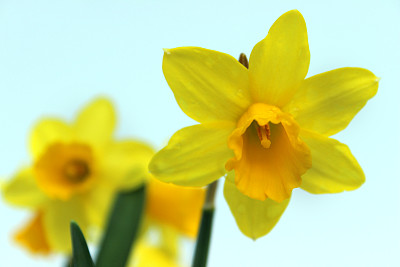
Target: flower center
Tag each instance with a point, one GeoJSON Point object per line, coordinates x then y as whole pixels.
{"type": "Point", "coordinates": [76, 170]}
{"type": "Point", "coordinates": [269, 156]}
{"type": "Point", "coordinates": [65, 169]}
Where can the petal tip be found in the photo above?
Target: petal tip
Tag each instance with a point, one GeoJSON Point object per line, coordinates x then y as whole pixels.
{"type": "Point", "coordinates": [293, 12]}
{"type": "Point", "coordinates": [167, 51]}
{"type": "Point", "coordinates": [100, 102]}
{"type": "Point", "coordinates": [254, 238]}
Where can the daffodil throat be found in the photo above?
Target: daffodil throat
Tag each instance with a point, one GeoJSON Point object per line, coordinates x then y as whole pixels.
{"type": "Point", "coordinates": [269, 156]}
{"type": "Point", "coordinates": [76, 170]}
{"type": "Point", "coordinates": [65, 169]}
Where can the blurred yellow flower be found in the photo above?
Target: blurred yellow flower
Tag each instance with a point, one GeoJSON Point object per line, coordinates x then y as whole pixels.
{"type": "Point", "coordinates": [153, 256]}
{"type": "Point", "coordinates": [266, 123]}
{"type": "Point", "coordinates": [175, 206]}
{"type": "Point", "coordinates": [162, 251]}
{"type": "Point", "coordinates": [171, 212]}
{"type": "Point", "coordinates": [76, 170]}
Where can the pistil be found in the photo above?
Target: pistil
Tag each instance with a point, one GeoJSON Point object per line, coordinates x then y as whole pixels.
{"type": "Point", "coordinates": [264, 134]}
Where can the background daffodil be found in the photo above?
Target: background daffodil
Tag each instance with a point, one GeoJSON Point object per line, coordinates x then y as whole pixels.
{"type": "Point", "coordinates": [153, 256]}
{"type": "Point", "coordinates": [172, 212]}
{"type": "Point", "coordinates": [76, 170]}
{"type": "Point", "coordinates": [174, 206]}
{"type": "Point", "coordinates": [267, 125]}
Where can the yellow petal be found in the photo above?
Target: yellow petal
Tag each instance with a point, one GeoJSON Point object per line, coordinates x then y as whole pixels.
{"type": "Point", "coordinates": [57, 216]}
{"type": "Point", "coordinates": [334, 168]}
{"type": "Point", "coordinates": [279, 63]}
{"type": "Point", "coordinates": [254, 217]}
{"type": "Point", "coordinates": [124, 166]}
{"type": "Point", "coordinates": [208, 85]}
{"type": "Point", "coordinates": [195, 155]}
{"type": "Point", "coordinates": [98, 202]}
{"type": "Point", "coordinates": [151, 256]}
{"type": "Point", "coordinates": [46, 132]}
{"type": "Point", "coordinates": [22, 190]}
{"type": "Point", "coordinates": [33, 236]}
{"type": "Point", "coordinates": [176, 206]}
{"type": "Point", "coordinates": [125, 163]}
{"type": "Point", "coordinates": [96, 122]}
{"type": "Point", "coordinates": [327, 102]}
{"type": "Point", "coordinates": [170, 237]}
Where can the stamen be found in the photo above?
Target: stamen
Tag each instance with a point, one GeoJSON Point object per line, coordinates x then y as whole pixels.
{"type": "Point", "coordinates": [76, 170]}
{"type": "Point", "coordinates": [264, 134]}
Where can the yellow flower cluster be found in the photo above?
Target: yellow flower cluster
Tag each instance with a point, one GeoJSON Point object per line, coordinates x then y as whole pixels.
{"type": "Point", "coordinates": [262, 124]}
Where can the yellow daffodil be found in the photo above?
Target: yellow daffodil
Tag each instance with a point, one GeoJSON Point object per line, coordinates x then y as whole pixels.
{"type": "Point", "coordinates": [77, 168]}
{"type": "Point", "coordinates": [162, 251]}
{"type": "Point", "coordinates": [153, 256]}
{"type": "Point", "coordinates": [175, 206]}
{"type": "Point", "coordinates": [171, 212]}
{"type": "Point", "coordinates": [266, 125]}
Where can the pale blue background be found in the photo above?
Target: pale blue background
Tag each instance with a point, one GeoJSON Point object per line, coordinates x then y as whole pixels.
{"type": "Point", "coordinates": [57, 55]}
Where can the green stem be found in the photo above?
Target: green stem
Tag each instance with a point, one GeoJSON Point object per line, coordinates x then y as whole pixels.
{"type": "Point", "coordinates": [204, 236]}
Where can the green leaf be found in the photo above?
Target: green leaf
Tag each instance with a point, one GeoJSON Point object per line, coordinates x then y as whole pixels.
{"type": "Point", "coordinates": [122, 229]}
{"type": "Point", "coordinates": [80, 252]}
{"type": "Point", "coordinates": [203, 238]}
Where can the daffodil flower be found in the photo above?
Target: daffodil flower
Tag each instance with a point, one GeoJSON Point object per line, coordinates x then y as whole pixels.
{"type": "Point", "coordinates": [152, 256]}
{"type": "Point", "coordinates": [77, 168]}
{"type": "Point", "coordinates": [171, 212]}
{"type": "Point", "coordinates": [267, 125]}
{"type": "Point", "coordinates": [175, 206]}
